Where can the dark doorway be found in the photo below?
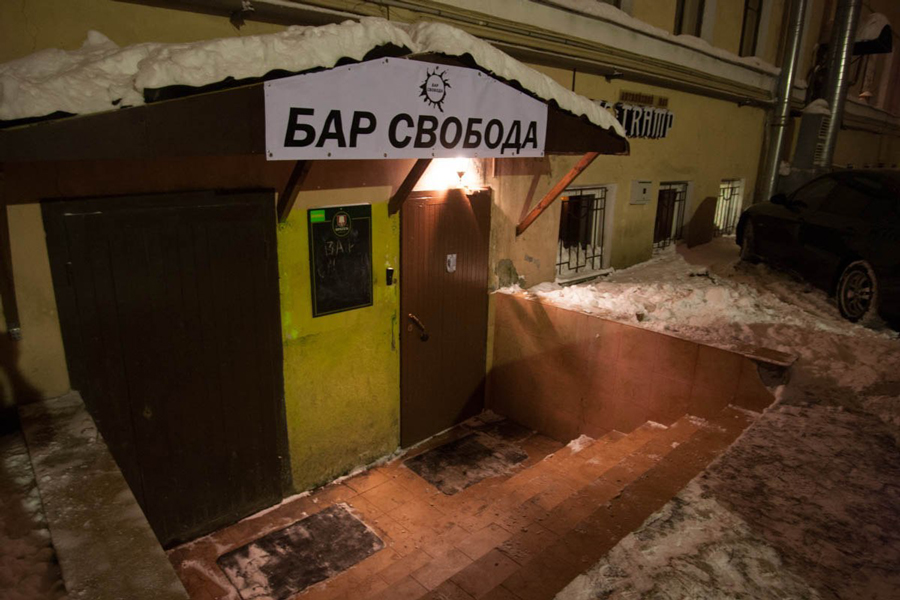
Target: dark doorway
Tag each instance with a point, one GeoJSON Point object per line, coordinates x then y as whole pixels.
{"type": "Point", "coordinates": [443, 304]}
{"type": "Point", "coordinates": [169, 311]}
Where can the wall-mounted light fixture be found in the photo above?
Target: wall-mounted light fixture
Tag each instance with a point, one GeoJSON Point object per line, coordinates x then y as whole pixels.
{"type": "Point", "coordinates": [450, 173]}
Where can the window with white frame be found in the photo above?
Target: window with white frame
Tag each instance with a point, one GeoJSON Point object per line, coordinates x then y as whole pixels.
{"type": "Point", "coordinates": [728, 207]}
{"type": "Point", "coordinates": [582, 225]}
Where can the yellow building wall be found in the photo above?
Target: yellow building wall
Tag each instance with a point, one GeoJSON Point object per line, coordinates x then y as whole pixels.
{"type": "Point", "coordinates": [659, 13]}
{"type": "Point", "coordinates": [341, 371]}
{"type": "Point", "coordinates": [861, 149]}
{"type": "Point", "coordinates": [33, 25]}
{"type": "Point", "coordinates": [35, 366]}
{"type": "Point", "coordinates": [729, 22]}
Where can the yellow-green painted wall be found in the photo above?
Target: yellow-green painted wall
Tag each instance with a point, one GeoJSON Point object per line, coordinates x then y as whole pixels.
{"type": "Point", "coordinates": [341, 371]}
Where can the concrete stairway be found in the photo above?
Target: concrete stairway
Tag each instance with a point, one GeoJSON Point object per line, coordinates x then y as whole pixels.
{"type": "Point", "coordinates": [519, 537]}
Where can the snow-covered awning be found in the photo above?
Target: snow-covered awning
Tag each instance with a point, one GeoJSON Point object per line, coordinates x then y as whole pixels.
{"type": "Point", "coordinates": [102, 78]}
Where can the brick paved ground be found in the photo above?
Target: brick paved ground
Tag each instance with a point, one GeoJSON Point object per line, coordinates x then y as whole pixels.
{"type": "Point", "coordinates": [523, 536]}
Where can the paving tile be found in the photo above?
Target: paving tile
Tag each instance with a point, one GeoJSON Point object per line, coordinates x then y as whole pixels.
{"type": "Point", "coordinates": [404, 566]}
{"type": "Point", "coordinates": [387, 496]}
{"type": "Point", "coordinates": [481, 542]}
{"type": "Point", "coordinates": [443, 543]}
{"type": "Point", "coordinates": [405, 589]}
{"type": "Point", "coordinates": [441, 568]}
{"type": "Point", "coordinates": [372, 586]}
{"type": "Point", "coordinates": [500, 593]}
{"type": "Point", "coordinates": [527, 543]}
{"type": "Point", "coordinates": [447, 591]}
{"type": "Point", "coordinates": [485, 574]}
{"type": "Point", "coordinates": [331, 494]}
{"type": "Point", "coordinates": [366, 481]}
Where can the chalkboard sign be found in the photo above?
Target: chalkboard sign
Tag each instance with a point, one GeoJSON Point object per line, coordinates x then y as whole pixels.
{"type": "Point", "coordinates": [340, 258]}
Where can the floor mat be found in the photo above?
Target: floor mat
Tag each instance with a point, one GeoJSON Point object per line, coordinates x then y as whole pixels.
{"type": "Point", "coordinates": [290, 560]}
{"type": "Point", "coordinates": [456, 465]}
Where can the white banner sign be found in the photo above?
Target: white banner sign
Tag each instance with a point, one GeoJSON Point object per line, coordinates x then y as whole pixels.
{"type": "Point", "coordinates": [396, 108]}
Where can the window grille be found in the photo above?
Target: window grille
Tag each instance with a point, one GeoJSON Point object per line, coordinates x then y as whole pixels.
{"type": "Point", "coordinates": [581, 230]}
{"type": "Point", "coordinates": [729, 206]}
{"type": "Point", "coordinates": [670, 213]}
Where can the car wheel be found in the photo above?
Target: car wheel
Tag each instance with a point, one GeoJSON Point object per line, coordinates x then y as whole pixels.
{"type": "Point", "coordinates": [748, 243]}
{"type": "Point", "coordinates": [857, 292]}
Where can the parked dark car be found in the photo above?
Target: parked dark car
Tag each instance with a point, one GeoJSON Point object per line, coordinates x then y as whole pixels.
{"type": "Point", "coordinates": [841, 232]}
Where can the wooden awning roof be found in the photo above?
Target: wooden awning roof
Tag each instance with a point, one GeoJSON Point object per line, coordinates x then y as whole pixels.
{"type": "Point", "coordinates": [226, 122]}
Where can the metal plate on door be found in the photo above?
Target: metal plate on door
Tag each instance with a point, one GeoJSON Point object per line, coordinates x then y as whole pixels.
{"type": "Point", "coordinates": [451, 263]}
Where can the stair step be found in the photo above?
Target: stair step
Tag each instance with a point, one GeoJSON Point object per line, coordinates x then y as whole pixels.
{"type": "Point", "coordinates": [571, 553]}
{"type": "Point", "coordinates": [535, 507]}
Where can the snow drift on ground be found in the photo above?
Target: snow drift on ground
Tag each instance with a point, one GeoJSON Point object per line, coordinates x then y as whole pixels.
{"type": "Point", "coordinates": [100, 76]}
{"type": "Point", "coordinates": [804, 503]}
{"type": "Point", "coordinates": [707, 294]}
{"type": "Point", "coordinates": [28, 567]}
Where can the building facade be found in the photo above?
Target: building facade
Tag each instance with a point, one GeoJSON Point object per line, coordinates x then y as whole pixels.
{"type": "Point", "coordinates": [691, 81]}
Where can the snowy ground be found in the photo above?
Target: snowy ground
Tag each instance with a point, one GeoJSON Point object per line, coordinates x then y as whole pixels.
{"type": "Point", "coordinates": [28, 567]}
{"type": "Point", "coordinates": [806, 504]}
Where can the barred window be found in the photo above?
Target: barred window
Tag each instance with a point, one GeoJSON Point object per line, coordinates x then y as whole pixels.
{"type": "Point", "coordinates": [670, 213]}
{"type": "Point", "coordinates": [728, 207]}
{"type": "Point", "coordinates": [581, 230]}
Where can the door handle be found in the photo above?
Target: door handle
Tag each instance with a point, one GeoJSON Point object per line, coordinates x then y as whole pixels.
{"type": "Point", "coordinates": [424, 334]}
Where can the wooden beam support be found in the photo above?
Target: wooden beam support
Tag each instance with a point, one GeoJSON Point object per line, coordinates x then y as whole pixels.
{"type": "Point", "coordinates": [408, 184]}
{"type": "Point", "coordinates": [292, 188]}
{"type": "Point", "coordinates": [554, 193]}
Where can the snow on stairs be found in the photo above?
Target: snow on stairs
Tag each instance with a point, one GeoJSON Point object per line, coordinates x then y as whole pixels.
{"type": "Point", "coordinates": [527, 536]}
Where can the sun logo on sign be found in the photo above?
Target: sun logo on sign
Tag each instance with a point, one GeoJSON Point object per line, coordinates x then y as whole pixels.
{"type": "Point", "coordinates": [434, 88]}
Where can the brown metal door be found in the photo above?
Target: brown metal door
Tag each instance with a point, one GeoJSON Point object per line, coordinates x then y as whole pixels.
{"type": "Point", "coordinates": [443, 304]}
{"type": "Point", "coordinates": [170, 318]}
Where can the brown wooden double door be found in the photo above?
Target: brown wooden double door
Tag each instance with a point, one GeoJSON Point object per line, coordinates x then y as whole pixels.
{"type": "Point", "coordinates": [443, 303]}
{"type": "Point", "coordinates": [170, 316]}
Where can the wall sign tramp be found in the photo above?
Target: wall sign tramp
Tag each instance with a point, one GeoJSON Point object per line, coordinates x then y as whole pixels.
{"type": "Point", "coordinates": [397, 108]}
{"type": "Point", "coordinates": [641, 121]}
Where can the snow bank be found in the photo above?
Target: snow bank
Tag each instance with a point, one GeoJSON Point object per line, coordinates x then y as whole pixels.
{"type": "Point", "coordinates": [817, 107]}
{"type": "Point", "coordinates": [100, 76]}
{"type": "Point", "coordinates": [580, 443]}
{"type": "Point", "coordinates": [607, 12]}
{"type": "Point", "coordinates": [706, 294]}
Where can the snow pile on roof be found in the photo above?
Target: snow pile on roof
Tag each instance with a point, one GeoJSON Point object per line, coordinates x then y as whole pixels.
{"type": "Point", "coordinates": [607, 12]}
{"type": "Point", "coordinates": [443, 39]}
{"type": "Point", "coordinates": [296, 49]}
{"type": "Point", "coordinates": [817, 107]}
{"type": "Point", "coordinates": [100, 76]}
{"type": "Point", "coordinates": [871, 28]}
{"type": "Point", "coordinates": [94, 78]}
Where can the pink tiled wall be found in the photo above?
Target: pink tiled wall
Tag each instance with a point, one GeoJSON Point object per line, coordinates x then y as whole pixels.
{"type": "Point", "coordinates": [565, 373]}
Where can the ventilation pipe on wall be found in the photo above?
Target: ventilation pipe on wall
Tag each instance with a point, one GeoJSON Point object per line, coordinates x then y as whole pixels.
{"type": "Point", "coordinates": [782, 110]}
{"type": "Point", "coordinates": [840, 50]}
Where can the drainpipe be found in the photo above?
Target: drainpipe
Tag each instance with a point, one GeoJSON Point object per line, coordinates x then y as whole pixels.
{"type": "Point", "coordinates": [840, 50]}
{"type": "Point", "coordinates": [782, 111]}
